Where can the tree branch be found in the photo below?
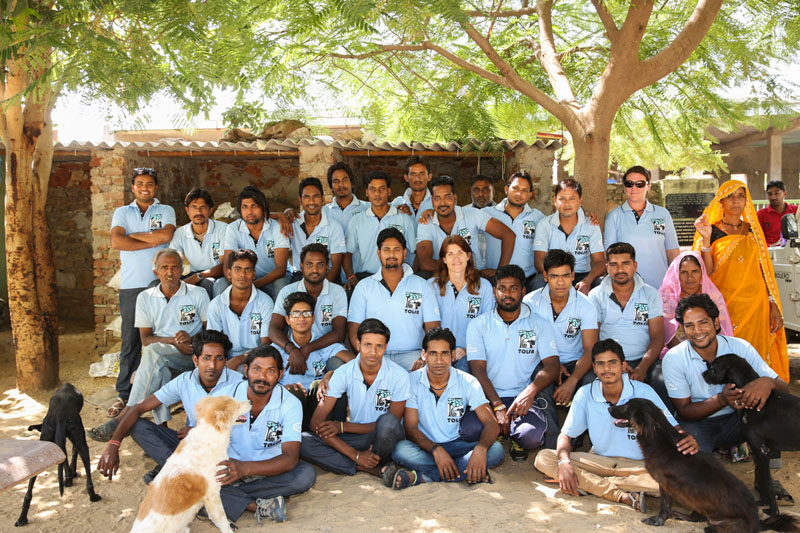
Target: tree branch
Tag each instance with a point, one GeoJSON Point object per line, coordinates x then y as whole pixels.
{"type": "Point", "coordinates": [549, 57]}
{"type": "Point", "coordinates": [502, 13]}
{"type": "Point", "coordinates": [632, 30]}
{"type": "Point", "coordinates": [608, 21]}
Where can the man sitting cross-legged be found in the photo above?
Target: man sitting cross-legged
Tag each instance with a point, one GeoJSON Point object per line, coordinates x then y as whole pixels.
{"type": "Point", "coordinates": [440, 396]}
{"type": "Point", "coordinates": [377, 390]}
{"type": "Point", "coordinates": [614, 468]}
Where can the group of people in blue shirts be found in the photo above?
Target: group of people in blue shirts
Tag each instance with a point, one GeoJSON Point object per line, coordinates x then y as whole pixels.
{"type": "Point", "coordinates": [402, 337]}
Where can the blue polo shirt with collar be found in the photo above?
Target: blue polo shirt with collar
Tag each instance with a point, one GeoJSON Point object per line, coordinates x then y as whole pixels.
{"type": "Point", "coordinates": [328, 233]}
{"type": "Point", "coordinates": [683, 369]}
{"type": "Point", "coordinates": [651, 236]}
{"type": "Point", "coordinates": [584, 240]}
{"type": "Point", "coordinates": [185, 311]}
{"type": "Point", "coordinates": [205, 255]}
{"type": "Point", "coordinates": [331, 303]}
{"type": "Point", "coordinates": [524, 227]}
{"type": "Point", "coordinates": [315, 364]}
{"type": "Point", "coordinates": [427, 203]}
{"type": "Point", "coordinates": [511, 351]}
{"type": "Point", "coordinates": [458, 310]}
{"type": "Point", "coordinates": [578, 315]}
{"type": "Point", "coordinates": [188, 389]}
{"type": "Point", "coordinates": [440, 417]}
{"type": "Point", "coordinates": [589, 410]}
{"type": "Point", "coordinates": [470, 222]}
{"type": "Point", "coordinates": [137, 266]}
{"type": "Point", "coordinates": [238, 237]}
{"type": "Point", "coordinates": [404, 311]}
{"type": "Point", "coordinates": [344, 216]}
{"type": "Point", "coordinates": [366, 404]}
{"type": "Point", "coordinates": [628, 326]}
{"type": "Point", "coordinates": [362, 237]}
{"type": "Point", "coordinates": [246, 331]}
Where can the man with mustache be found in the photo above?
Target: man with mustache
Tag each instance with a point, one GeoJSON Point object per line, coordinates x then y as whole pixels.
{"type": "Point", "coordinates": [417, 198]}
{"type": "Point", "coordinates": [201, 241]}
{"type": "Point", "coordinates": [482, 192]}
{"type": "Point", "coordinates": [344, 205]}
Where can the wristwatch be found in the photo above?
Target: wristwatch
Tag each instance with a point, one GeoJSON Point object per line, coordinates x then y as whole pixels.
{"type": "Point", "coordinates": [199, 275]}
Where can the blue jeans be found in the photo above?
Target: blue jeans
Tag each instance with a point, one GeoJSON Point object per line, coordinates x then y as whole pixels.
{"type": "Point", "coordinates": [715, 431]}
{"type": "Point", "coordinates": [404, 359]}
{"type": "Point", "coordinates": [410, 455]}
{"type": "Point", "coordinates": [157, 441]}
{"type": "Point", "coordinates": [237, 496]}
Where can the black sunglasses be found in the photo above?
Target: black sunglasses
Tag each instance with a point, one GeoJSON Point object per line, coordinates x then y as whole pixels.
{"type": "Point", "coordinates": [148, 171]}
{"type": "Point", "coordinates": [638, 184]}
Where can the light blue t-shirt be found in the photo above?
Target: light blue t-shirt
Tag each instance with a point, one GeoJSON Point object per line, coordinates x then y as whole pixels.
{"type": "Point", "coordinates": [469, 223]}
{"type": "Point", "coordinates": [457, 311]}
{"type": "Point", "coordinates": [315, 364]}
{"type": "Point", "coordinates": [366, 404]}
{"type": "Point", "coordinates": [426, 204]}
{"type": "Point", "coordinates": [246, 331]}
{"type": "Point", "coordinates": [185, 311]}
{"type": "Point", "coordinates": [584, 240]}
{"type": "Point", "coordinates": [328, 233]}
{"type": "Point", "coordinates": [205, 255]}
{"type": "Point", "coordinates": [280, 421]}
{"type": "Point", "coordinates": [332, 303]}
{"type": "Point", "coordinates": [524, 227]}
{"type": "Point", "coordinates": [578, 315]}
{"type": "Point", "coordinates": [137, 266]}
{"type": "Point", "coordinates": [651, 237]}
{"type": "Point", "coordinates": [513, 351]}
{"type": "Point", "coordinates": [439, 419]}
{"type": "Point", "coordinates": [344, 216]}
{"type": "Point", "coordinates": [362, 237]}
{"type": "Point", "coordinates": [404, 312]}
{"type": "Point", "coordinates": [630, 326]}
{"type": "Point", "coordinates": [238, 237]}
{"type": "Point", "coordinates": [683, 369]}
{"type": "Point", "coordinates": [589, 410]}
{"type": "Point", "coordinates": [188, 389]}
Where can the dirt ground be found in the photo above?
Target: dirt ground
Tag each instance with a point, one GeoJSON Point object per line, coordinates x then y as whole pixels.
{"type": "Point", "coordinates": [518, 500]}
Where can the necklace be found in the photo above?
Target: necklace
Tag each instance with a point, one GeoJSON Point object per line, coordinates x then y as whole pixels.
{"type": "Point", "coordinates": [734, 226]}
{"type": "Point", "coordinates": [439, 388]}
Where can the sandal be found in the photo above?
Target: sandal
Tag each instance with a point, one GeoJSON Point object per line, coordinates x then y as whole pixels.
{"type": "Point", "coordinates": [403, 479]}
{"type": "Point", "coordinates": [103, 432]}
{"type": "Point", "coordinates": [389, 474]}
{"type": "Point", "coordinates": [782, 496]}
{"type": "Point", "coordinates": [116, 408]}
{"type": "Point", "coordinates": [639, 502]}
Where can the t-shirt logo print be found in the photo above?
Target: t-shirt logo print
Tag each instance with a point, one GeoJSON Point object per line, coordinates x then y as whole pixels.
{"type": "Point", "coordinates": [658, 226]}
{"type": "Point", "coordinates": [319, 368]}
{"type": "Point", "coordinates": [455, 409]}
{"type": "Point", "coordinates": [155, 221]}
{"type": "Point", "coordinates": [573, 327]}
{"type": "Point", "coordinates": [641, 313]}
{"type": "Point", "coordinates": [270, 247]}
{"type": "Point", "coordinates": [473, 306]}
{"type": "Point", "coordinates": [255, 323]}
{"type": "Point", "coordinates": [527, 340]}
{"type": "Point", "coordinates": [187, 314]}
{"type": "Point", "coordinates": [215, 249]}
{"type": "Point", "coordinates": [413, 302]}
{"type": "Point", "coordinates": [582, 246]}
{"type": "Point", "coordinates": [274, 434]}
{"type": "Point", "coordinates": [322, 240]}
{"type": "Point", "coordinates": [383, 399]}
{"type": "Point", "coordinates": [326, 314]}
{"type": "Point", "coordinates": [528, 229]}
{"type": "Point", "coordinates": [465, 233]}
{"type": "Point", "coordinates": [398, 227]}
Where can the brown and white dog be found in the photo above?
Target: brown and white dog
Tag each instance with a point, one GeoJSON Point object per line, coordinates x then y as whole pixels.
{"type": "Point", "coordinates": [188, 480]}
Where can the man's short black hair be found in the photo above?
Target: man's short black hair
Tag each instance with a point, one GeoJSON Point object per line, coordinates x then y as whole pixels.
{"type": "Point", "coordinates": [696, 301]}
{"type": "Point", "coordinates": [776, 183]}
{"type": "Point", "coordinates": [621, 248]}
{"type": "Point", "coordinates": [557, 258]}
{"type": "Point", "coordinates": [373, 325]}
{"type": "Point", "coordinates": [310, 181]}
{"type": "Point", "coordinates": [252, 193]}
{"type": "Point", "coordinates": [391, 233]}
{"type": "Point", "coordinates": [439, 334]}
{"type": "Point", "coordinates": [264, 350]}
{"type": "Point", "coordinates": [198, 193]}
{"type": "Point", "coordinates": [568, 183]}
{"type": "Point", "coordinates": [510, 271]}
{"type": "Point", "coordinates": [242, 254]}
{"type": "Point", "coordinates": [317, 247]}
{"type": "Point", "coordinates": [296, 298]}
{"type": "Point", "coordinates": [339, 166]}
{"type": "Point", "coordinates": [144, 171]}
{"type": "Point", "coordinates": [445, 180]}
{"type": "Point", "coordinates": [417, 160]}
{"type": "Point", "coordinates": [377, 175]}
{"type": "Point", "coordinates": [637, 169]}
{"type": "Point", "coordinates": [210, 336]}
{"type": "Point", "coordinates": [481, 177]}
{"type": "Point", "coordinates": [608, 345]}
{"type": "Point", "coordinates": [521, 174]}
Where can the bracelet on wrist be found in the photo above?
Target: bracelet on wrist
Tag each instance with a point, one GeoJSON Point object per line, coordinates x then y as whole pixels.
{"type": "Point", "coordinates": [500, 407]}
{"type": "Point", "coordinates": [115, 443]}
{"type": "Point", "coordinates": [358, 454]}
{"type": "Point", "coordinates": [563, 461]}
{"type": "Point", "coordinates": [433, 448]}
{"type": "Point", "coordinates": [706, 249]}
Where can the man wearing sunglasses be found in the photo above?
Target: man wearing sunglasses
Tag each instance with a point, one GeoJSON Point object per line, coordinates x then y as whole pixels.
{"type": "Point", "coordinates": [646, 226]}
{"type": "Point", "coordinates": [138, 231]}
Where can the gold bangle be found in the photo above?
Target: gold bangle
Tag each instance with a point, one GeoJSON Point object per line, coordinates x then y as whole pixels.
{"type": "Point", "coordinates": [341, 424]}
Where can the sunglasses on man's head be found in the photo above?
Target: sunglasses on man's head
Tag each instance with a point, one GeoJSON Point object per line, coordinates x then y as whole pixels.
{"type": "Point", "coordinates": [638, 184]}
{"type": "Point", "coordinates": [148, 171]}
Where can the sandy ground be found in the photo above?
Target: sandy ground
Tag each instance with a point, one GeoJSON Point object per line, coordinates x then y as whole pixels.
{"type": "Point", "coordinates": [518, 501]}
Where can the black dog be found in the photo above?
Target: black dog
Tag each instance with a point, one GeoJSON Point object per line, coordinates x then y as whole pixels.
{"type": "Point", "coordinates": [698, 482]}
{"type": "Point", "coordinates": [773, 428]}
{"type": "Point", "coordinates": [63, 421]}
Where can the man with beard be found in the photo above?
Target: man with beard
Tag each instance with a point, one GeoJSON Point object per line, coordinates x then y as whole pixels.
{"type": "Point", "coordinates": [770, 216]}
{"type": "Point", "coordinates": [264, 454]}
{"type": "Point", "coordinates": [417, 198]}
{"type": "Point", "coordinates": [629, 311]}
{"type": "Point", "coordinates": [468, 222]}
{"type": "Point", "coordinates": [403, 301]}
{"type": "Point", "coordinates": [256, 231]}
{"type": "Point", "coordinates": [482, 192]}
{"type": "Point", "coordinates": [158, 441]}
{"type": "Point", "coordinates": [344, 204]}
{"type": "Point", "coordinates": [330, 311]}
{"type": "Point", "coordinates": [201, 241]}
{"type": "Point", "coordinates": [512, 352]}
{"type": "Point", "coordinates": [312, 225]}
{"type": "Point", "coordinates": [241, 311]}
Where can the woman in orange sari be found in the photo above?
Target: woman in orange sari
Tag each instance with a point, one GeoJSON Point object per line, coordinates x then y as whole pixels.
{"type": "Point", "coordinates": [734, 251]}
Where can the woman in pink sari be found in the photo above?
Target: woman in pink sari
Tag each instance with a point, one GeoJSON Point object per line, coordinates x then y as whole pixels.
{"type": "Point", "coordinates": [685, 276]}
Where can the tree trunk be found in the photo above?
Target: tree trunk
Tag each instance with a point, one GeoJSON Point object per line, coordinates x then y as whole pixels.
{"type": "Point", "coordinates": [27, 134]}
{"type": "Point", "coordinates": [592, 147]}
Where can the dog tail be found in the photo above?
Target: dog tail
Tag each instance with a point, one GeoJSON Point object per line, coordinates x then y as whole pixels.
{"type": "Point", "coordinates": [61, 442]}
{"type": "Point", "coordinates": [780, 522]}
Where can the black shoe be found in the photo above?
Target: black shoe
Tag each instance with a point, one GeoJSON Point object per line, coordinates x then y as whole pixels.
{"type": "Point", "coordinates": [151, 475]}
{"type": "Point", "coordinates": [517, 453]}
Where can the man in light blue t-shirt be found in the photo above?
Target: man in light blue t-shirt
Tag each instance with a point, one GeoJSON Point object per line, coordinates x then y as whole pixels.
{"type": "Point", "coordinates": [344, 205]}
{"type": "Point", "coordinates": [417, 198]}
